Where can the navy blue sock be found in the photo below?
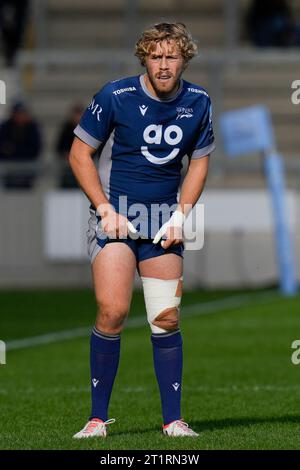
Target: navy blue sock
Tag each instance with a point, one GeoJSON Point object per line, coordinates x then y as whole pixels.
{"type": "Point", "coordinates": [167, 356]}
{"type": "Point", "coordinates": [104, 361]}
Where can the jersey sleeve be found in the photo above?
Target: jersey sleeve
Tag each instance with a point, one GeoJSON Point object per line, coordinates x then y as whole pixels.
{"type": "Point", "coordinates": [205, 139]}
{"type": "Point", "coordinates": [97, 122]}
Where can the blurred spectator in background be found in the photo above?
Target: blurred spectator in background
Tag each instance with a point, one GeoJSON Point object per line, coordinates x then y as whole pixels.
{"type": "Point", "coordinates": [13, 17]}
{"type": "Point", "coordinates": [270, 23]}
{"type": "Point", "coordinates": [64, 143]}
{"type": "Point", "coordinates": [20, 141]}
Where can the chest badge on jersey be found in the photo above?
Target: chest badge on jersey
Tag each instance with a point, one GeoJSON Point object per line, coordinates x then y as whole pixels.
{"type": "Point", "coordinates": [184, 113]}
{"type": "Point", "coordinates": [153, 134]}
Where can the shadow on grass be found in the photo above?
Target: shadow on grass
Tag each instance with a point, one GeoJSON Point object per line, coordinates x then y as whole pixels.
{"type": "Point", "coordinates": [211, 425]}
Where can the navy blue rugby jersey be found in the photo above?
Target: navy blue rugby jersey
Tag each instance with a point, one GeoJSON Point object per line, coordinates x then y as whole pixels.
{"type": "Point", "coordinates": [142, 139]}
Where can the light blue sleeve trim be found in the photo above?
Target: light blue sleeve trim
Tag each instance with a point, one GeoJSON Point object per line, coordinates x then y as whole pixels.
{"type": "Point", "coordinates": [199, 153]}
{"type": "Point", "coordinates": [86, 137]}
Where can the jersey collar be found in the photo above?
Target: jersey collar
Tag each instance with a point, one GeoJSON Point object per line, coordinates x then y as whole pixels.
{"type": "Point", "coordinates": [147, 92]}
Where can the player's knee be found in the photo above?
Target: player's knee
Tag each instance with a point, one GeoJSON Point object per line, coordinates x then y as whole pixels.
{"type": "Point", "coordinates": [111, 324]}
{"type": "Point", "coordinates": [111, 318]}
{"type": "Point", "coordinates": [162, 299]}
{"type": "Point", "coordinates": [168, 319]}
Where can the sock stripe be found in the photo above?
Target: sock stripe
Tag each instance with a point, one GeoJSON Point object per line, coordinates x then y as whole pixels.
{"type": "Point", "coordinates": [105, 335]}
{"type": "Point", "coordinates": [165, 335]}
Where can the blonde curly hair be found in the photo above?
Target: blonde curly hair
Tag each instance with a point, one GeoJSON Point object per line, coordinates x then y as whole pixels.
{"type": "Point", "coordinates": [166, 32]}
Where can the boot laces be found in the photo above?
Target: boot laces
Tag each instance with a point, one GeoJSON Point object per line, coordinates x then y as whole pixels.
{"type": "Point", "coordinates": [93, 423]}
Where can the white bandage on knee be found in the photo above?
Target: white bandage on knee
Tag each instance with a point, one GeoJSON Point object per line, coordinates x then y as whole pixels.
{"type": "Point", "coordinates": [162, 299]}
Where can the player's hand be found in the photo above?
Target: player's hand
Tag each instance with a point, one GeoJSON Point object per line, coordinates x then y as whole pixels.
{"type": "Point", "coordinates": [115, 225]}
{"type": "Point", "coordinates": [172, 230]}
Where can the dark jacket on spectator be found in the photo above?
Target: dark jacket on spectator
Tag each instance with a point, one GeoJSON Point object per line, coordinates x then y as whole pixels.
{"type": "Point", "coordinates": [19, 143]}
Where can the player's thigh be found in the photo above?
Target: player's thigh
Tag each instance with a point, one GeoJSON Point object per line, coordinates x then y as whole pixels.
{"type": "Point", "coordinates": [113, 275]}
{"type": "Point", "coordinates": [167, 266]}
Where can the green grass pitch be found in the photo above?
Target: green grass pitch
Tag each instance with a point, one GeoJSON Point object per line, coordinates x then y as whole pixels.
{"type": "Point", "coordinates": [240, 388]}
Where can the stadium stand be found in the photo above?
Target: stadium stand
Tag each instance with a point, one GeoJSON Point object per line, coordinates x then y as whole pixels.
{"type": "Point", "coordinates": [75, 47]}
{"type": "Point", "coordinates": [87, 29]}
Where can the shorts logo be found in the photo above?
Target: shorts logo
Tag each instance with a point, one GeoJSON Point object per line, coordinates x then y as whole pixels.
{"type": "Point", "coordinates": [96, 109]}
{"type": "Point", "coordinates": [153, 134]}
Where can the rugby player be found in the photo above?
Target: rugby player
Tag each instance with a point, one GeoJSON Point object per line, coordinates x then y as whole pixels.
{"type": "Point", "coordinates": [142, 127]}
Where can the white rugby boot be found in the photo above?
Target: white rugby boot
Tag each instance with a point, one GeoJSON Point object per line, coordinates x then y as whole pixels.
{"type": "Point", "coordinates": [94, 428]}
{"type": "Point", "coordinates": [179, 428]}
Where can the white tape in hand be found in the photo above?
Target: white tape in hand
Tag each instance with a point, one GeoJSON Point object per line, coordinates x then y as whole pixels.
{"type": "Point", "coordinates": [177, 220]}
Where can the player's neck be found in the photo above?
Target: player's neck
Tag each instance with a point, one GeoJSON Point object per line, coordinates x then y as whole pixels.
{"type": "Point", "coordinates": [161, 96]}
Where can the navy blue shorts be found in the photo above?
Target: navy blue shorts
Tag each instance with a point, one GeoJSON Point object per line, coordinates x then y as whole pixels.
{"type": "Point", "coordinates": [142, 248]}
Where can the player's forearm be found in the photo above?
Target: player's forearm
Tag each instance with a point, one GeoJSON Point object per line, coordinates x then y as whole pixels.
{"type": "Point", "coordinates": [193, 184]}
{"type": "Point", "coordinates": [87, 176]}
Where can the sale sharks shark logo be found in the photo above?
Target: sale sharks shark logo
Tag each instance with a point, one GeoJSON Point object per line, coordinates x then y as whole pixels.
{"type": "Point", "coordinates": [184, 113]}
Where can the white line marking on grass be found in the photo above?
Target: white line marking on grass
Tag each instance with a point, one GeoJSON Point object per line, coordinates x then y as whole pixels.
{"type": "Point", "coordinates": [244, 388]}
{"type": "Point", "coordinates": [47, 338]}
{"type": "Point", "coordinates": [133, 390]}
{"type": "Point", "coordinates": [214, 306]}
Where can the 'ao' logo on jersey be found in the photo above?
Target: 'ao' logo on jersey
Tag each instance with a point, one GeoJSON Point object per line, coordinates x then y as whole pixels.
{"type": "Point", "coordinates": [154, 134]}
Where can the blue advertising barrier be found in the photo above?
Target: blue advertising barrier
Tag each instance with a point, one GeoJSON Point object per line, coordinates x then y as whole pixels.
{"type": "Point", "coordinates": [247, 131]}
{"type": "Point", "coordinates": [274, 171]}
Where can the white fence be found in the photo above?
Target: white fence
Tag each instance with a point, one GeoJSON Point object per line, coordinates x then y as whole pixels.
{"type": "Point", "coordinates": [42, 240]}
